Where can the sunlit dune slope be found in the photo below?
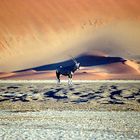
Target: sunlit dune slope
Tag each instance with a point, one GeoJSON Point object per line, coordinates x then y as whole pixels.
{"type": "Point", "coordinates": [39, 32]}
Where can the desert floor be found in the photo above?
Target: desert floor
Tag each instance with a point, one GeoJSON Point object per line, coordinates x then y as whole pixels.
{"type": "Point", "coordinates": [70, 125]}
{"type": "Point", "coordinates": [99, 95]}
{"type": "Point", "coordinates": [86, 110]}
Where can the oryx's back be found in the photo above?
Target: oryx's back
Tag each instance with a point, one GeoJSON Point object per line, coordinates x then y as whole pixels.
{"type": "Point", "coordinates": [66, 70]}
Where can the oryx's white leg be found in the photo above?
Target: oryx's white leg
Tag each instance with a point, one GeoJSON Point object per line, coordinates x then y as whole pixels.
{"type": "Point", "coordinates": [58, 81]}
{"type": "Point", "coordinates": [70, 81]}
{"type": "Point", "coordinates": [70, 78]}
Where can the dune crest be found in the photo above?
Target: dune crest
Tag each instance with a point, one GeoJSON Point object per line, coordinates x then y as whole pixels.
{"type": "Point", "coordinates": [133, 65]}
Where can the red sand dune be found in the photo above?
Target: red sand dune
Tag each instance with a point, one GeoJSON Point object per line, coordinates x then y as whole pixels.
{"type": "Point", "coordinates": [40, 32]}
{"type": "Point", "coordinates": [36, 32]}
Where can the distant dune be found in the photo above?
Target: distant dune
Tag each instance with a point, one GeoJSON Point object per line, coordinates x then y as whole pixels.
{"type": "Point", "coordinates": [92, 67]}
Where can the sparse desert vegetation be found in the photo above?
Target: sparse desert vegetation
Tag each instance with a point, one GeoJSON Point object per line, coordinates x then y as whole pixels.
{"type": "Point", "coordinates": [29, 96]}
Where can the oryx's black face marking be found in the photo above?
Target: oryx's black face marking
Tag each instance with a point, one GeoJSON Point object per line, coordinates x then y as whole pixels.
{"type": "Point", "coordinates": [67, 71]}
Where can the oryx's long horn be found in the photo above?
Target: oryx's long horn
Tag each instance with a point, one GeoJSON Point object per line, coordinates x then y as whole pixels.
{"type": "Point", "coordinates": [73, 59]}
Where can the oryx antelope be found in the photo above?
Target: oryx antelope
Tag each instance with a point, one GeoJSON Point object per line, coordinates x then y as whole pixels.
{"type": "Point", "coordinates": [67, 71]}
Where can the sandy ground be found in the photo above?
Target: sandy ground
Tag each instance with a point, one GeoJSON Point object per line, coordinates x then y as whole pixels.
{"type": "Point", "coordinates": [87, 110]}
{"type": "Point", "coordinates": [97, 95]}
{"type": "Point", "coordinates": [69, 125]}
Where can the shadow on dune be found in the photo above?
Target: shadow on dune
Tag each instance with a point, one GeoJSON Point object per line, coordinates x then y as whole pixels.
{"type": "Point", "coordinates": [84, 59]}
